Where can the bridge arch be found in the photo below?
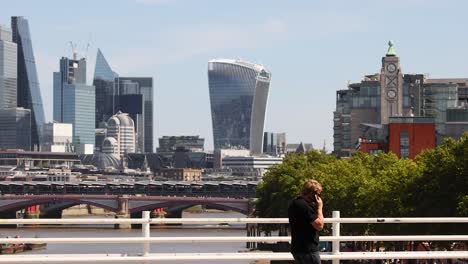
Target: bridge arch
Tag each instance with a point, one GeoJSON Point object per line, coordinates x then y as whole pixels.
{"type": "Point", "coordinates": [171, 204]}
{"type": "Point", "coordinates": [15, 205]}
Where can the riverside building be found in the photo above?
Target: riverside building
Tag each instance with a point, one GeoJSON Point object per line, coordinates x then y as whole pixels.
{"type": "Point", "coordinates": [410, 102]}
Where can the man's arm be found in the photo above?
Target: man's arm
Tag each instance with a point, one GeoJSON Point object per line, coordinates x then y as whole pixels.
{"type": "Point", "coordinates": [318, 223]}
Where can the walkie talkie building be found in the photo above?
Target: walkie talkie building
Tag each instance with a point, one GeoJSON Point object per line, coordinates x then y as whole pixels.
{"type": "Point", "coordinates": [238, 95]}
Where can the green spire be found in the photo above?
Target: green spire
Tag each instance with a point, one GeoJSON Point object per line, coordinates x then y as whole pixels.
{"type": "Point", "coordinates": [391, 49]}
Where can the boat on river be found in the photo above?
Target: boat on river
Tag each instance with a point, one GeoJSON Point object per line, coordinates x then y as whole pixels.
{"type": "Point", "coordinates": [11, 248]}
{"type": "Point", "coordinates": [6, 249]}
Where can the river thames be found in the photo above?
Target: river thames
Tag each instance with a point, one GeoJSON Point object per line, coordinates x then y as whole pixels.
{"type": "Point", "coordinates": [108, 231]}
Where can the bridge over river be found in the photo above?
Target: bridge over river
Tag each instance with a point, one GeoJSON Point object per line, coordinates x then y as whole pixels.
{"type": "Point", "coordinates": [125, 199]}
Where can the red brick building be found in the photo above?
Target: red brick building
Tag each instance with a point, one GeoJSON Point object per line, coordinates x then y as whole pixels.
{"type": "Point", "coordinates": [404, 136]}
{"type": "Point", "coordinates": [409, 136]}
{"type": "Point", "coordinates": [371, 147]}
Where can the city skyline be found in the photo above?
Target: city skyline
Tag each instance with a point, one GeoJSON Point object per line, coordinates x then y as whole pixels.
{"type": "Point", "coordinates": [307, 46]}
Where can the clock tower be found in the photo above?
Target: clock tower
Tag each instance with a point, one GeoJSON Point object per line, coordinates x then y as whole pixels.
{"type": "Point", "coordinates": [391, 86]}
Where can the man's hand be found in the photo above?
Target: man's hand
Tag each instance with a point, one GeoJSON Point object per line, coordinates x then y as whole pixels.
{"type": "Point", "coordinates": [318, 223]}
{"type": "Point", "coordinates": [319, 202]}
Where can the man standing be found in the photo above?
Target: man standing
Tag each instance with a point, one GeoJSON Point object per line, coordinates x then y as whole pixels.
{"type": "Point", "coordinates": [306, 220]}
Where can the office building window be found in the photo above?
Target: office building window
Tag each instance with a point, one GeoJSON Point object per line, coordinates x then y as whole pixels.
{"type": "Point", "coordinates": [404, 145]}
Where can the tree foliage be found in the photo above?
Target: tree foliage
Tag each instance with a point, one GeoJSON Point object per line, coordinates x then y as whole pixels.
{"type": "Point", "coordinates": [382, 185]}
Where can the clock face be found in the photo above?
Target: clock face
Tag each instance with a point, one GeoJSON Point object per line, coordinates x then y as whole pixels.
{"type": "Point", "coordinates": [391, 94]}
{"type": "Point", "coordinates": [391, 67]}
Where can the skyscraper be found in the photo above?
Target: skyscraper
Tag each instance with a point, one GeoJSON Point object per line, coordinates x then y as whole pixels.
{"type": "Point", "coordinates": [74, 101]}
{"type": "Point", "coordinates": [135, 97]}
{"type": "Point", "coordinates": [8, 72]}
{"type": "Point", "coordinates": [238, 96]}
{"type": "Point", "coordinates": [29, 94]}
{"type": "Point", "coordinates": [15, 122]}
{"type": "Point", "coordinates": [15, 128]}
{"type": "Point", "coordinates": [132, 95]}
{"type": "Point", "coordinates": [104, 81]}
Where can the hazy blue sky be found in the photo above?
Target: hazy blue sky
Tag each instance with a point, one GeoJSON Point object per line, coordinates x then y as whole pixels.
{"type": "Point", "coordinates": [312, 48]}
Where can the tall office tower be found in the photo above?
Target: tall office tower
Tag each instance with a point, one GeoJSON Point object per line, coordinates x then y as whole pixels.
{"type": "Point", "coordinates": [132, 95]}
{"type": "Point", "coordinates": [238, 96]}
{"type": "Point", "coordinates": [135, 97]}
{"type": "Point", "coordinates": [8, 72]}
{"type": "Point", "coordinates": [29, 94]}
{"type": "Point", "coordinates": [104, 78]}
{"type": "Point", "coordinates": [74, 102]}
{"type": "Point", "coordinates": [15, 128]}
{"type": "Point", "coordinates": [122, 128]}
{"type": "Point", "coordinates": [15, 122]}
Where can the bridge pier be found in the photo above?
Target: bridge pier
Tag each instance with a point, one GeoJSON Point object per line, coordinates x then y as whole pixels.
{"type": "Point", "coordinates": [123, 212]}
{"type": "Point", "coordinates": [122, 226]}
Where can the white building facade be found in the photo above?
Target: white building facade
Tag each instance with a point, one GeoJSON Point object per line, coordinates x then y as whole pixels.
{"type": "Point", "coordinates": [121, 128]}
{"type": "Point", "coordinates": [58, 137]}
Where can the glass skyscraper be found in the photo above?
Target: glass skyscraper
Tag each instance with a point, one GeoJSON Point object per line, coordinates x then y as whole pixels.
{"type": "Point", "coordinates": [104, 79]}
{"type": "Point", "coordinates": [238, 96]}
{"type": "Point", "coordinates": [29, 95]}
{"type": "Point", "coordinates": [8, 72]}
{"type": "Point", "coordinates": [74, 101]}
{"type": "Point", "coordinates": [132, 95]}
{"type": "Point", "coordinates": [135, 96]}
{"type": "Point", "coordinates": [15, 128]}
{"type": "Point", "coordinates": [15, 122]}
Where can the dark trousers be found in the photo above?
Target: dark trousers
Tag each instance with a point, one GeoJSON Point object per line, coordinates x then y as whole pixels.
{"type": "Point", "coordinates": [307, 258]}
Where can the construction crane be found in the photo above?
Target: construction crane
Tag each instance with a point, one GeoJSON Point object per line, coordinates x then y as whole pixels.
{"type": "Point", "coordinates": [73, 47]}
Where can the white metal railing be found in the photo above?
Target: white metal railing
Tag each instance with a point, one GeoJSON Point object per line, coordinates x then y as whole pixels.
{"type": "Point", "coordinates": [146, 239]}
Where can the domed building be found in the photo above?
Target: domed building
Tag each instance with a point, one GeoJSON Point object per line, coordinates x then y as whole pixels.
{"type": "Point", "coordinates": [120, 135]}
{"type": "Point", "coordinates": [110, 146]}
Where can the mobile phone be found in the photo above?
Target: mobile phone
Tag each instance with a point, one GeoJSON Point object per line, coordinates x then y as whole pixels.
{"type": "Point", "coordinates": [313, 198]}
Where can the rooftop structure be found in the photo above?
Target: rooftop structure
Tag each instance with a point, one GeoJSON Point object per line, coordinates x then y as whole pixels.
{"type": "Point", "coordinates": [190, 143]}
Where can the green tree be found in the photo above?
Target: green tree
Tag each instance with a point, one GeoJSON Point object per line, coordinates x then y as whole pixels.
{"type": "Point", "coordinates": [442, 187]}
{"type": "Point", "coordinates": [283, 183]}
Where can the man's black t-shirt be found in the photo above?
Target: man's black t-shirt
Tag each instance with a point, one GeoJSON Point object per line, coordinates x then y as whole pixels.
{"type": "Point", "coordinates": [304, 237]}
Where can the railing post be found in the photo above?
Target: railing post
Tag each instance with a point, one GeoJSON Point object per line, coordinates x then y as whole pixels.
{"type": "Point", "coordinates": [145, 229]}
{"type": "Point", "coordinates": [336, 233]}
